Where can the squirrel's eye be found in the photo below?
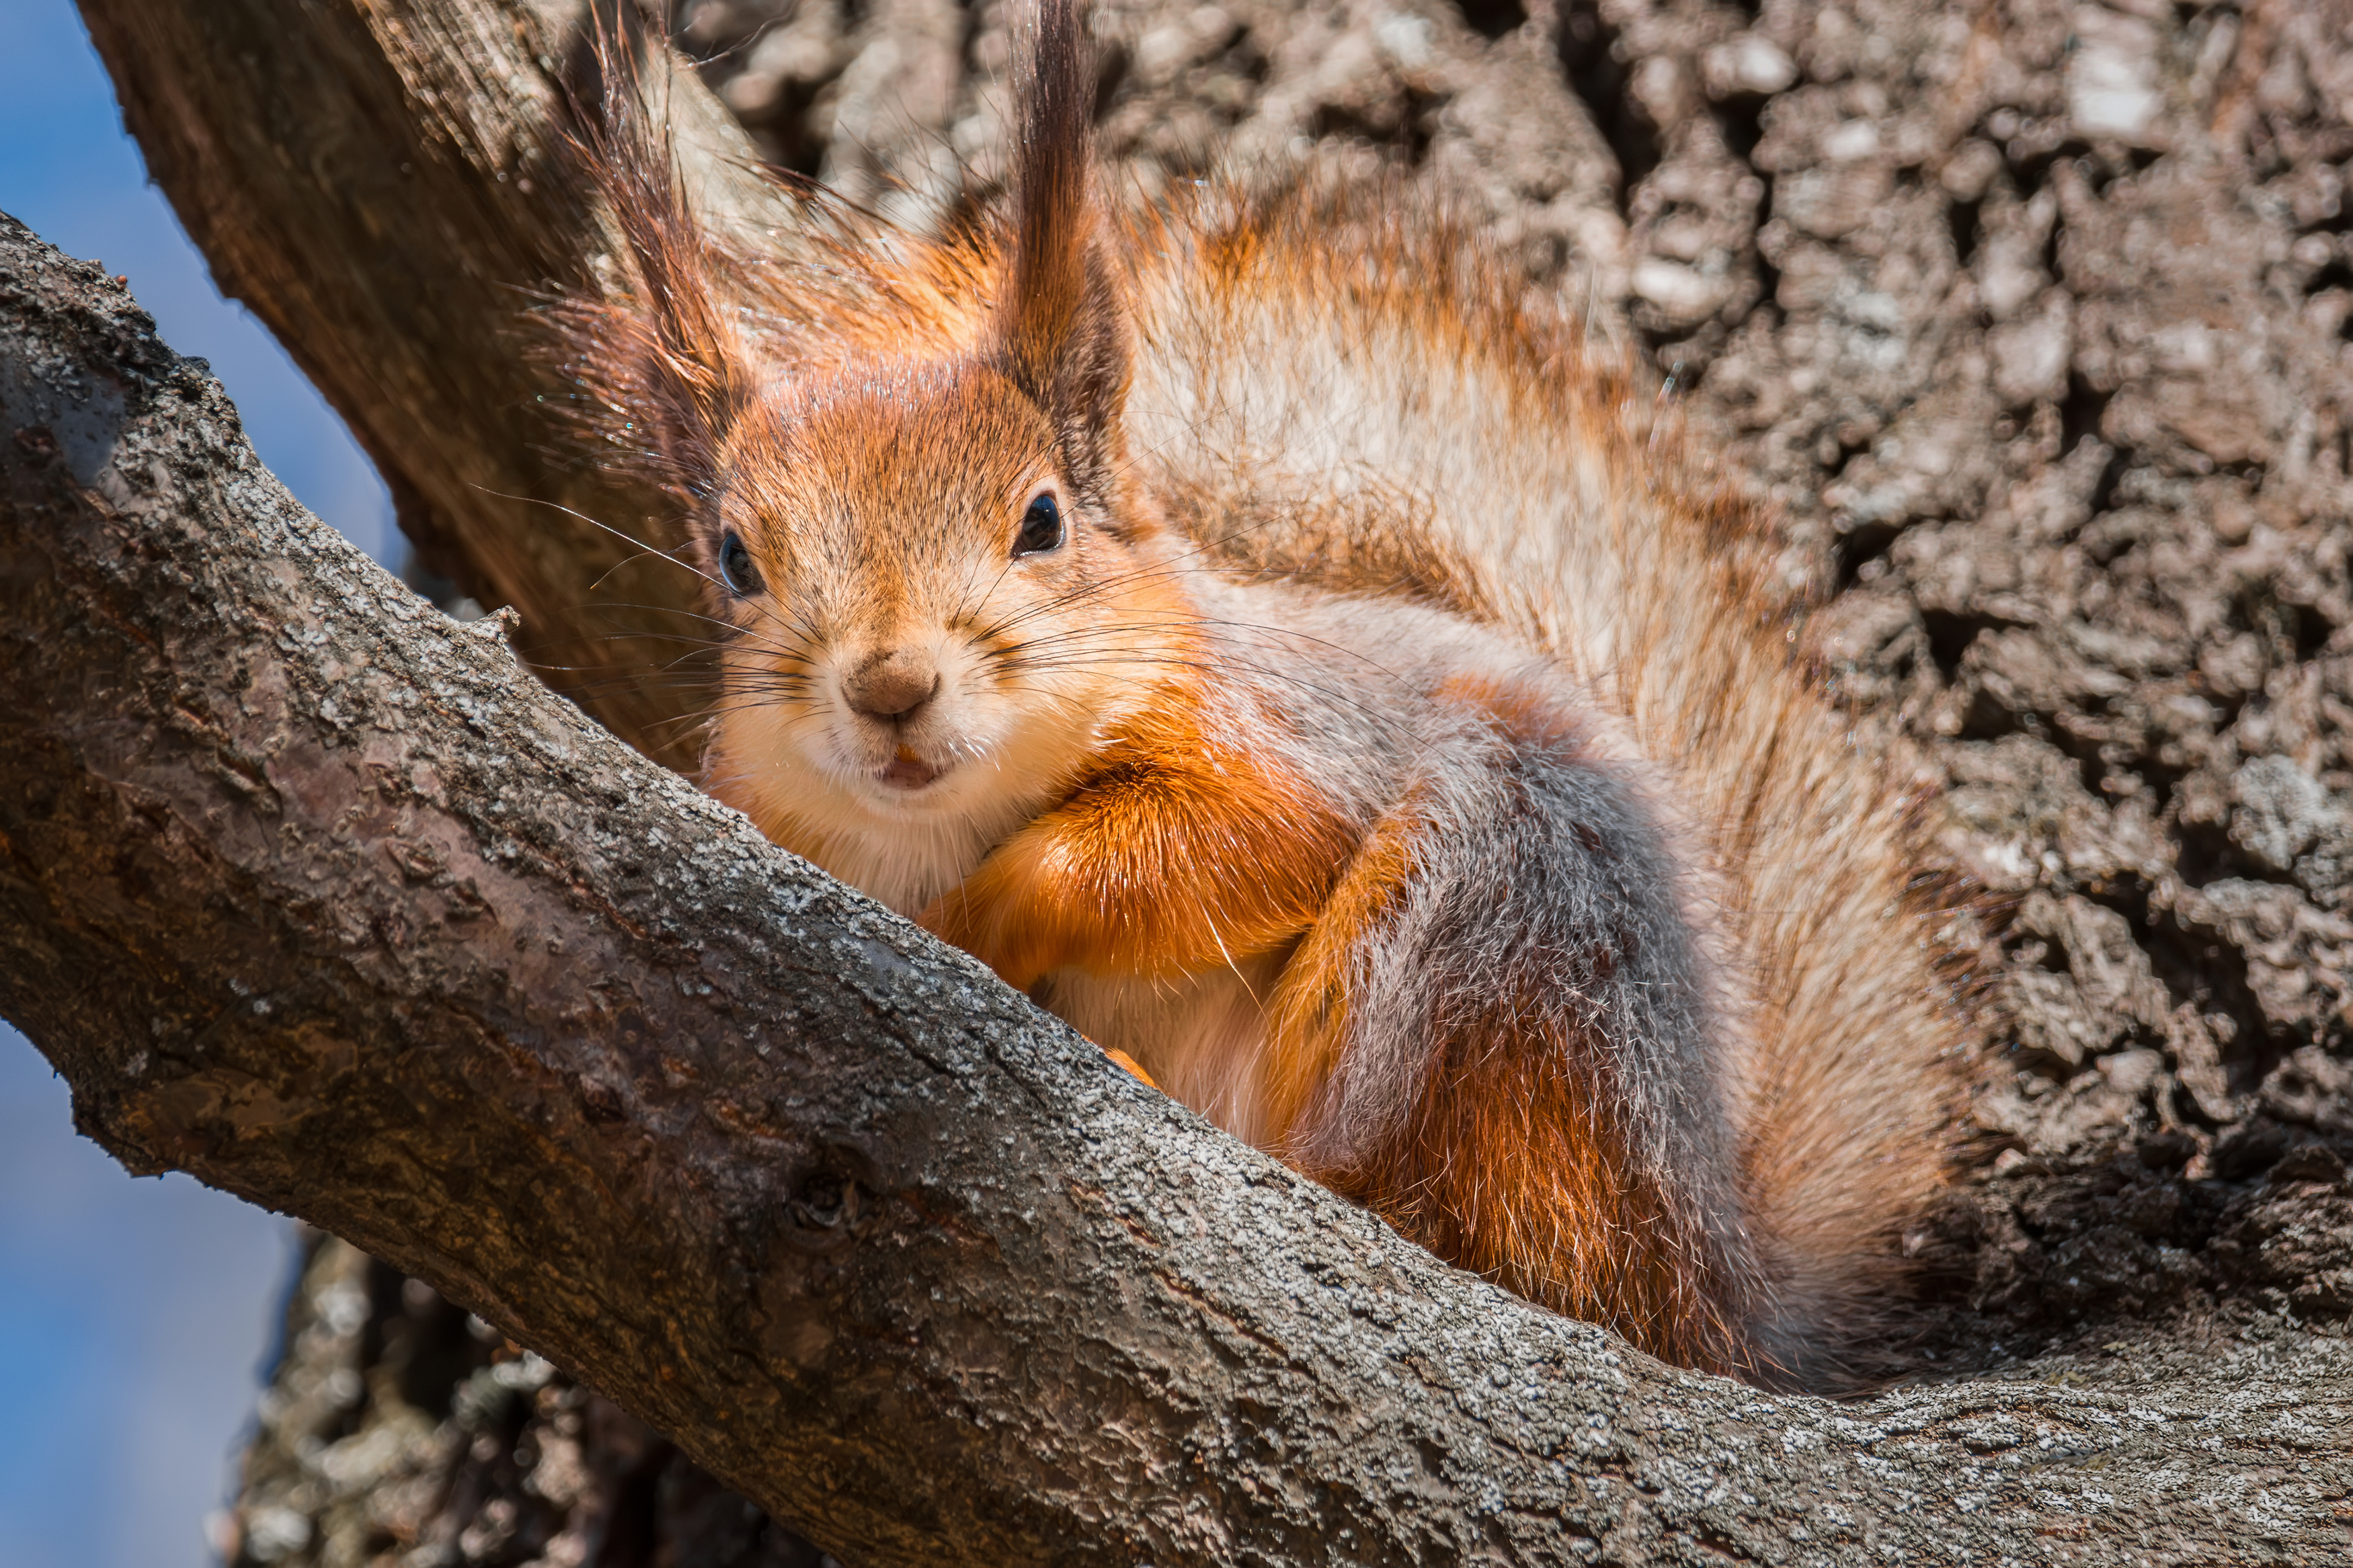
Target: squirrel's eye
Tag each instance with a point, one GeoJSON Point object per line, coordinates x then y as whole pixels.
{"type": "Point", "coordinates": [735, 567]}
{"type": "Point", "coordinates": [1041, 527]}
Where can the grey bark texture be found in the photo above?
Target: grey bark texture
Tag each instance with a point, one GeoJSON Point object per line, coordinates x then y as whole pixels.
{"type": "Point", "coordinates": [2030, 319]}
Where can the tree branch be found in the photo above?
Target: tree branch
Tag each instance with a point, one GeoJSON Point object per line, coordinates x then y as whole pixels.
{"type": "Point", "coordinates": [321, 898]}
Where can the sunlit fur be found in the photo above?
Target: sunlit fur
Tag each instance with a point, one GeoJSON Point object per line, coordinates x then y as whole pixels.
{"type": "Point", "coordinates": [882, 506]}
{"type": "Point", "coordinates": [1405, 759]}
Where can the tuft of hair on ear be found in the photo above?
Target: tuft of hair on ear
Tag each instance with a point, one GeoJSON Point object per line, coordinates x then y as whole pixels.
{"type": "Point", "coordinates": [667, 363]}
{"type": "Point", "coordinates": [1064, 326]}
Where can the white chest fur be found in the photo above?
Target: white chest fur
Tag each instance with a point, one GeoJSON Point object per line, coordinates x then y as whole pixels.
{"type": "Point", "coordinates": [1201, 1037]}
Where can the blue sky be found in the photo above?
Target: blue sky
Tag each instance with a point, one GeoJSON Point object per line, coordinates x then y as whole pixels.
{"type": "Point", "coordinates": [134, 1315]}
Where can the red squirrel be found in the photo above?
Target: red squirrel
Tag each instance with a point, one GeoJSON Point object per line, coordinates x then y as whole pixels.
{"type": "Point", "coordinates": [1282, 650]}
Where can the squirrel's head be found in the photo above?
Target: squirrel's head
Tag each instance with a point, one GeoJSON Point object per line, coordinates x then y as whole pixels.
{"type": "Point", "coordinates": [936, 581]}
{"type": "Point", "coordinates": [937, 584]}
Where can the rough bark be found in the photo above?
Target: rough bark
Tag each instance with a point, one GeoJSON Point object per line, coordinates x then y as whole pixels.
{"type": "Point", "coordinates": [323, 900]}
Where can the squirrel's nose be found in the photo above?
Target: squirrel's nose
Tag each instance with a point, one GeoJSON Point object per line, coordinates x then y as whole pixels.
{"type": "Point", "coordinates": [893, 684]}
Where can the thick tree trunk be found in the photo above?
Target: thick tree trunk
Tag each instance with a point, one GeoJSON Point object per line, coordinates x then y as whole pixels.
{"type": "Point", "coordinates": [316, 895]}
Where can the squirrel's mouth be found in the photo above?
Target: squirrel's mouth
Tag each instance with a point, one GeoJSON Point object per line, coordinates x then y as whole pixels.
{"type": "Point", "coordinates": [907, 772]}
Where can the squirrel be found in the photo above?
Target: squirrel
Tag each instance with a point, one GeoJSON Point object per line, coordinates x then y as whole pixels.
{"type": "Point", "coordinates": [1286, 652]}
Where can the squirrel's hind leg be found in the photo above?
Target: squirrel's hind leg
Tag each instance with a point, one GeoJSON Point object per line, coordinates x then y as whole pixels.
{"type": "Point", "coordinates": [1498, 1036]}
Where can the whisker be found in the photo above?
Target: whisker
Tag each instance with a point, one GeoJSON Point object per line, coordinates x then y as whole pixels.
{"type": "Point", "coordinates": [644, 550]}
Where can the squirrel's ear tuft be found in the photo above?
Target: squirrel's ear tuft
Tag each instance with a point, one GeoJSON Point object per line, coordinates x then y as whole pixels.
{"type": "Point", "coordinates": [670, 351]}
{"type": "Point", "coordinates": [1064, 329]}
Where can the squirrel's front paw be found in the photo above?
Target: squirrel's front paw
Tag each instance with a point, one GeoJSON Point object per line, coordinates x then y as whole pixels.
{"type": "Point", "coordinates": [1122, 1060]}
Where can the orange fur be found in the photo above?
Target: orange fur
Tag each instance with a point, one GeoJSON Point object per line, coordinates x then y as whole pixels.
{"type": "Point", "coordinates": [1514, 1165]}
{"type": "Point", "coordinates": [1176, 851]}
{"type": "Point", "coordinates": [1308, 1014]}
